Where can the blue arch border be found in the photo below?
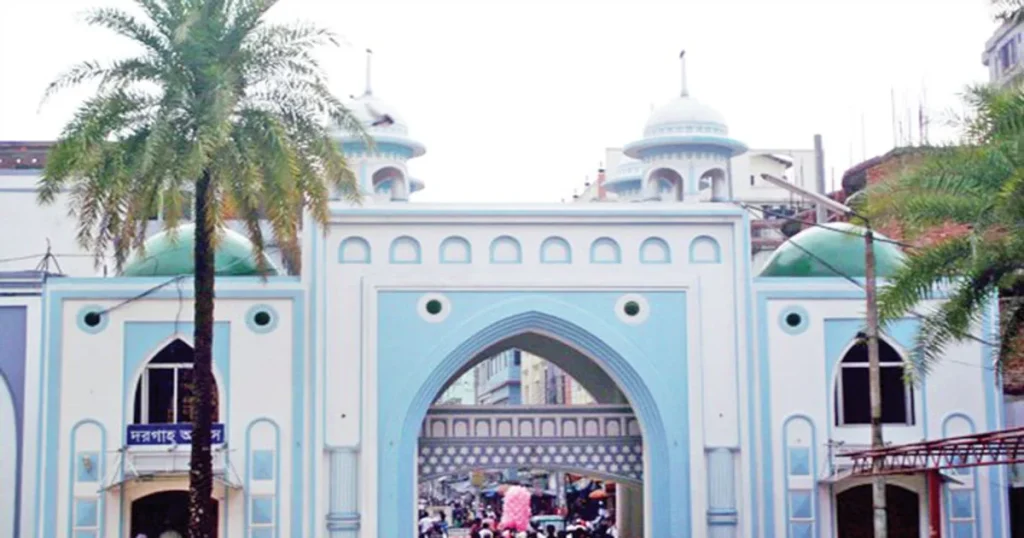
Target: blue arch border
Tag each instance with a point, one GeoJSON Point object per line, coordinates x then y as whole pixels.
{"type": "Point", "coordinates": [655, 438]}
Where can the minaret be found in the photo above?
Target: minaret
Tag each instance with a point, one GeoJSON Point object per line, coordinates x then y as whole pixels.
{"type": "Point", "coordinates": [684, 92]}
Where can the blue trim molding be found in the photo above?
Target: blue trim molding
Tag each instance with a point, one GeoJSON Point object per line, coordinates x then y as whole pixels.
{"type": "Point", "coordinates": [75, 470]}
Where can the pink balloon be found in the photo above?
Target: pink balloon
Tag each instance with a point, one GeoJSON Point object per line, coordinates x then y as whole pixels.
{"type": "Point", "coordinates": [516, 513]}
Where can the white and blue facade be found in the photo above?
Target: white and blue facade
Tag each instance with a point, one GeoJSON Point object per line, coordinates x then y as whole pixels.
{"type": "Point", "coordinates": [737, 382]}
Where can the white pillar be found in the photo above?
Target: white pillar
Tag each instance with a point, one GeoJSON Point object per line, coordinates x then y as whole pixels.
{"type": "Point", "coordinates": [343, 512]}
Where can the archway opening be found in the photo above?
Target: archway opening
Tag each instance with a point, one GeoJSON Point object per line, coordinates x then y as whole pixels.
{"type": "Point", "coordinates": [852, 394]}
{"type": "Point", "coordinates": [532, 411]}
{"type": "Point", "coordinates": [162, 513]}
{"type": "Point", "coordinates": [391, 181]}
{"type": "Point", "coordinates": [664, 184]}
{"type": "Point", "coordinates": [855, 517]}
{"type": "Point", "coordinates": [713, 186]}
{"type": "Point", "coordinates": [165, 393]}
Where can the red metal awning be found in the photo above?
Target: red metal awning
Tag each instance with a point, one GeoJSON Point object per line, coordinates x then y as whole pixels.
{"type": "Point", "coordinates": [990, 448]}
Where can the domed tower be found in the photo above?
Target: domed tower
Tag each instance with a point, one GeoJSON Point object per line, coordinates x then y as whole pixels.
{"type": "Point", "coordinates": [686, 151]}
{"type": "Point", "coordinates": [381, 167]}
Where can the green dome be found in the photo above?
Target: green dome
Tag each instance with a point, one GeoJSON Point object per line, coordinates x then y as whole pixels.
{"type": "Point", "coordinates": [164, 256]}
{"type": "Point", "coordinates": [840, 244]}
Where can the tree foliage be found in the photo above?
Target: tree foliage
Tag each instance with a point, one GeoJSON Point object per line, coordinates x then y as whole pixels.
{"type": "Point", "coordinates": [979, 186]}
{"type": "Point", "coordinates": [216, 88]}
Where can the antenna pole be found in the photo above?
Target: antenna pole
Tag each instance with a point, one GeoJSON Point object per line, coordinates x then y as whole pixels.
{"type": "Point", "coordinates": [369, 57]}
{"type": "Point", "coordinates": [682, 64]}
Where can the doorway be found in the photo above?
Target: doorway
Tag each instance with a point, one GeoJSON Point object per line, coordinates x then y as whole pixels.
{"type": "Point", "coordinates": [161, 512]}
{"type": "Point", "coordinates": [854, 513]}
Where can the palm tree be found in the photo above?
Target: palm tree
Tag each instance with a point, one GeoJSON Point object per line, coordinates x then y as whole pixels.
{"type": "Point", "coordinates": [975, 191]}
{"type": "Point", "coordinates": [222, 110]}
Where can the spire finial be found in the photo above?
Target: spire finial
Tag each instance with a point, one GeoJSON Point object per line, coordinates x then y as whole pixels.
{"type": "Point", "coordinates": [369, 56]}
{"type": "Point", "coordinates": [682, 61]}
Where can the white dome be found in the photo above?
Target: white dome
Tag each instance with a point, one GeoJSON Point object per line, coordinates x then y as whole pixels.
{"type": "Point", "coordinates": [685, 115]}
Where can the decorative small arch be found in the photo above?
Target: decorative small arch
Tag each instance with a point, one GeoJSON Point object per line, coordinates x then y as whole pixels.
{"type": "Point", "coordinates": [391, 180]}
{"type": "Point", "coordinates": [605, 250]}
{"type": "Point", "coordinates": [555, 250]}
{"type": "Point", "coordinates": [88, 449]}
{"type": "Point", "coordinates": [852, 406]}
{"type": "Point", "coordinates": [171, 369]}
{"type": "Point", "coordinates": [354, 250]}
{"type": "Point", "coordinates": [663, 184]}
{"type": "Point", "coordinates": [655, 250]}
{"type": "Point", "coordinates": [404, 249]}
{"type": "Point", "coordinates": [455, 249]}
{"type": "Point", "coordinates": [705, 249]}
{"type": "Point", "coordinates": [506, 249]}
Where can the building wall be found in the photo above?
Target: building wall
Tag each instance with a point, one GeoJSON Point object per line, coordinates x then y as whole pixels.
{"type": "Point", "coordinates": [1003, 54]}
{"type": "Point", "coordinates": [90, 386]}
{"type": "Point", "coordinates": [512, 250]}
{"type": "Point", "coordinates": [958, 397]}
{"type": "Point", "coordinates": [534, 371]}
{"type": "Point", "coordinates": [498, 379]}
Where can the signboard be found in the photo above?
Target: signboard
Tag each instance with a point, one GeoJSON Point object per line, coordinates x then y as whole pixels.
{"type": "Point", "coordinates": [167, 434]}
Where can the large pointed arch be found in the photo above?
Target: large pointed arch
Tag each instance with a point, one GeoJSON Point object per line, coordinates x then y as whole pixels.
{"type": "Point", "coordinates": [659, 472]}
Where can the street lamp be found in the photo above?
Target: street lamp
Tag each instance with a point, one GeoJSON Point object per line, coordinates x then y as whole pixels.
{"type": "Point", "coordinates": [871, 335]}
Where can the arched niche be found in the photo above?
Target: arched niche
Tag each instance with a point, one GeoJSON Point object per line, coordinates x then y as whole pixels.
{"type": "Point", "coordinates": [455, 249]}
{"type": "Point", "coordinates": [605, 250]}
{"type": "Point", "coordinates": [164, 389]}
{"type": "Point", "coordinates": [705, 249]}
{"type": "Point", "coordinates": [404, 249]}
{"type": "Point", "coordinates": [663, 184]}
{"type": "Point", "coordinates": [655, 250]}
{"type": "Point", "coordinates": [714, 185]}
{"type": "Point", "coordinates": [354, 250]}
{"type": "Point", "coordinates": [391, 180]}
{"type": "Point", "coordinates": [506, 249]}
{"type": "Point", "coordinates": [555, 250]}
{"type": "Point", "coordinates": [851, 396]}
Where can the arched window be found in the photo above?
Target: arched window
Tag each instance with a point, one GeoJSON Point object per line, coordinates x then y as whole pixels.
{"type": "Point", "coordinates": [164, 393]}
{"type": "Point", "coordinates": [853, 403]}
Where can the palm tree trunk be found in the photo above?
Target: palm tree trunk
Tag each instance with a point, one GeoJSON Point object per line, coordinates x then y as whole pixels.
{"type": "Point", "coordinates": [200, 489]}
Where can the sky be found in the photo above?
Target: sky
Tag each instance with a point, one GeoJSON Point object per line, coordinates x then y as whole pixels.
{"type": "Point", "coordinates": [516, 100]}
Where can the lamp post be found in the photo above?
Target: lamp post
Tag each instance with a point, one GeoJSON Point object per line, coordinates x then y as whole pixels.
{"type": "Point", "coordinates": [870, 334]}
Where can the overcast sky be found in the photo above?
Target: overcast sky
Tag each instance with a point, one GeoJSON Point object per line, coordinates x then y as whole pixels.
{"type": "Point", "coordinates": [516, 100]}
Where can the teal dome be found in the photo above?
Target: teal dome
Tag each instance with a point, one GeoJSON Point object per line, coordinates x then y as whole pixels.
{"type": "Point", "coordinates": [840, 244]}
{"type": "Point", "coordinates": [164, 256]}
